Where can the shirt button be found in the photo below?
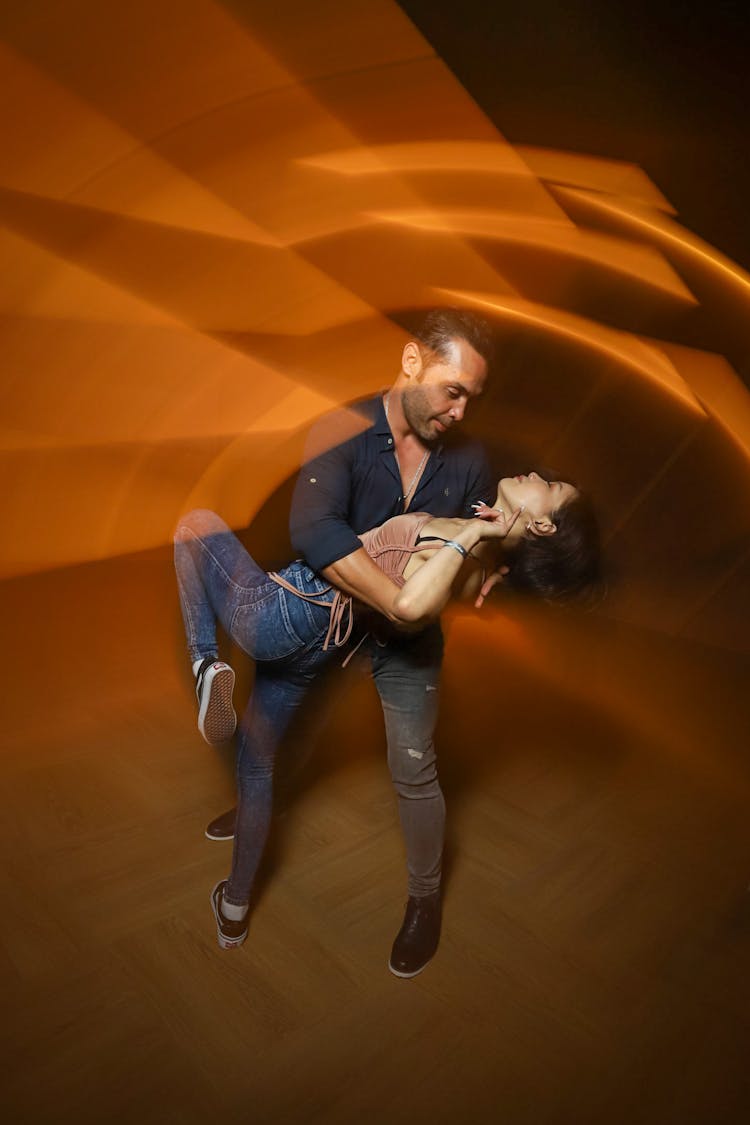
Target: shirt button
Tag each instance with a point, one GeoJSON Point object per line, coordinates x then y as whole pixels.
{"type": "Point", "coordinates": [313, 480]}
{"type": "Point", "coordinates": [390, 441]}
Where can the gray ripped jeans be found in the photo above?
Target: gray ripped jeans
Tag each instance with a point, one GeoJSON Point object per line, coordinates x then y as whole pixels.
{"type": "Point", "coordinates": [406, 670]}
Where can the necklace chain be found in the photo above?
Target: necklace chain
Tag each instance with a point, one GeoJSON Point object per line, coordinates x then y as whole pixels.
{"type": "Point", "coordinates": [420, 466]}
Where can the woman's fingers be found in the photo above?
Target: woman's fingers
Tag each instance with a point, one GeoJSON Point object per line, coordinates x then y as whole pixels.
{"type": "Point", "coordinates": [498, 524]}
{"type": "Point", "coordinates": [483, 512]}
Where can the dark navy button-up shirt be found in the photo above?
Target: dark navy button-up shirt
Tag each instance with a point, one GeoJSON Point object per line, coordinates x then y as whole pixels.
{"type": "Point", "coordinates": [350, 482]}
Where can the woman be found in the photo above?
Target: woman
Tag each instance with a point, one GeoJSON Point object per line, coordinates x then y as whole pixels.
{"type": "Point", "coordinates": [540, 536]}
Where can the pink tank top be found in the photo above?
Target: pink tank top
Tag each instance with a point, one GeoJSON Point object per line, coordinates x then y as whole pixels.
{"type": "Point", "coordinates": [393, 543]}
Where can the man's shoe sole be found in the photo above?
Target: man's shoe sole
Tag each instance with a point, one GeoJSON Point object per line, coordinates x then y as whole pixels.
{"type": "Point", "coordinates": [216, 835]}
{"type": "Point", "coordinates": [222, 827]}
{"type": "Point", "coordinates": [407, 976]}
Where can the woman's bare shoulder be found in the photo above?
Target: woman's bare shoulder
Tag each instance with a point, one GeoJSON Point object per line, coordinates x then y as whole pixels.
{"type": "Point", "coordinates": [444, 526]}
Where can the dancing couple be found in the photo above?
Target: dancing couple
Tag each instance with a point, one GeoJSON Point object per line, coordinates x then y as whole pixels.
{"type": "Point", "coordinates": [390, 522]}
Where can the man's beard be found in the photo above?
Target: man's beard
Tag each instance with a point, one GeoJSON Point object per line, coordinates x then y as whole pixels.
{"type": "Point", "coordinates": [418, 413]}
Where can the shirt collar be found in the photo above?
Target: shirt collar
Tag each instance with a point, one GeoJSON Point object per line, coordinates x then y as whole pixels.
{"type": "Point", "coordinates": [381, 427]}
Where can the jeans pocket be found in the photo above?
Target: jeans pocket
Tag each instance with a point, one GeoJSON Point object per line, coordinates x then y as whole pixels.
{"type": "Point", "coordinates": [264, 630]}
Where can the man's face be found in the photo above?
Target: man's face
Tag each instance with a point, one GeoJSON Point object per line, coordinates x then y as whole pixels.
{"type": "Point", "coordinates": [437, 398]}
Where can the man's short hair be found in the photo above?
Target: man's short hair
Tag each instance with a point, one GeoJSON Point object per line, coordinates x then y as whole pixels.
{"type": "Point", "coordinates": [438, 327]}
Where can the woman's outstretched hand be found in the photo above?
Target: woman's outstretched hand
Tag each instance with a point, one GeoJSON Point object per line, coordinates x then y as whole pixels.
{"type": "Point", "coordinates": [497, 523]}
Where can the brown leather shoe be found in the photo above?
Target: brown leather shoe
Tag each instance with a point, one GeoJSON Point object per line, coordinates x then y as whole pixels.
{"type": "Point", "coordinates": [222, 828]}
{"type": "Point", "coordinates": [417, 941]}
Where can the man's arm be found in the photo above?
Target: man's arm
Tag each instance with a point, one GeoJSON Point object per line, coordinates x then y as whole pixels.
{"type": "Point", "coordinates": [319, 517]}
{"type": "Point", "coordinates": [318, 521]}
{"type": "Point", "coordinates": [358, 575]}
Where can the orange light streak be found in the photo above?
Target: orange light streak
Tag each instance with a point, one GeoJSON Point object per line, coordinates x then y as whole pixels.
{"type": "Point", "coordinates": [576, 169]}
{"type": "Point", "coordinates": [624, 348]}
{"type": "Point", "coordinates": [718, 387]}
{"type": "Point", "coordinates": [615, 254]}
{"type": "Point", "coordinates": [495, 157]}
{"type": "Point", "coordinates": [209, 224]}
{"type": "Point", "coordinates": [634, 698]}
{"type": "Point", "coordinates": [666, 232]}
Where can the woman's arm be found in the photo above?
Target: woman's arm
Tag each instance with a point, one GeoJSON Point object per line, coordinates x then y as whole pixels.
{"type": "Point", "coordinates": [426, 592]}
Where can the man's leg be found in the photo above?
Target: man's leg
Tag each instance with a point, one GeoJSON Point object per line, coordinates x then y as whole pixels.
{"type": "Point", "coordinates": [407, 676]}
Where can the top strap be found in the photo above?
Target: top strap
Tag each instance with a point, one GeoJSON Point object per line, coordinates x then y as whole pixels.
{"type": "Point", "coordinates": [341, 605]}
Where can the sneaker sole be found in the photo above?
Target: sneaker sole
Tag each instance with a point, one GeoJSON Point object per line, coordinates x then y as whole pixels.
{"type": "Point", "coordinates": [217, 720]}
{"type": "Point", "coordinates": [221, 827]}
{"type": "Point", "coordinates": [408, 976]}
{"type": "Point", "coordinates": [224, 941]}
{"type": "Point", "coordinates": [217, 836]}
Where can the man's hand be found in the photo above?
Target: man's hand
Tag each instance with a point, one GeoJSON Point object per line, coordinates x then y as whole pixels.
{"type": "Point", "coordinates": [495, 516]}
{"type": "Point", "coordinates": [489, 584]}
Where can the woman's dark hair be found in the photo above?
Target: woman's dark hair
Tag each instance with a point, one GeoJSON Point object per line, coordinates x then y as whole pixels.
{"type": "Point", "coordinates": [439, 327]}
{"type": "Point", "coordinates": [564, 566]}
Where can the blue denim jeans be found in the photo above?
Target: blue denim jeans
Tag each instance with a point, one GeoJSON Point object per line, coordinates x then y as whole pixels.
{"type": "Point", "coordinates": [219, 580]}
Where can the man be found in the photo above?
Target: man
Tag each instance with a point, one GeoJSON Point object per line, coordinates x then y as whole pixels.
{"type": "Point", "coordinates": [405, 457]}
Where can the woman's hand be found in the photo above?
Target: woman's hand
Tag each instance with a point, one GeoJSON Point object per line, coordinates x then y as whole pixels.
{"type": "Point", "coordinates": [495, 523]}
{"type": "Point", "coordinates": [484, 512]}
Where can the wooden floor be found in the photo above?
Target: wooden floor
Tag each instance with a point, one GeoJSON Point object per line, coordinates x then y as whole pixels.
{"type": "Point", "coordinates": [595, 960]}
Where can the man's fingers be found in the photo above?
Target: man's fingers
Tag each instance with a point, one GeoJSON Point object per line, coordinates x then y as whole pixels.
{"type": "Point", "coordinates": [489, 584]}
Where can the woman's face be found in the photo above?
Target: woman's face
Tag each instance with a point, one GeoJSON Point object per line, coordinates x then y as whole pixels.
{"type": "Point", "coordinates": [539, 498]}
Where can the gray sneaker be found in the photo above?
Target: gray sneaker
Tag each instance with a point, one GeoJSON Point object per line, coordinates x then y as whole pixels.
{"type": "Point", "coordinates": [230, 934]}
{"type": "Point", "coordinates": [214, 684]}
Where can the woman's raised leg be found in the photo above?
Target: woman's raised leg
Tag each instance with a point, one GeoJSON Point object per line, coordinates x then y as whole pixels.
{"type": "Point", "coordinates": [215, 575]}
